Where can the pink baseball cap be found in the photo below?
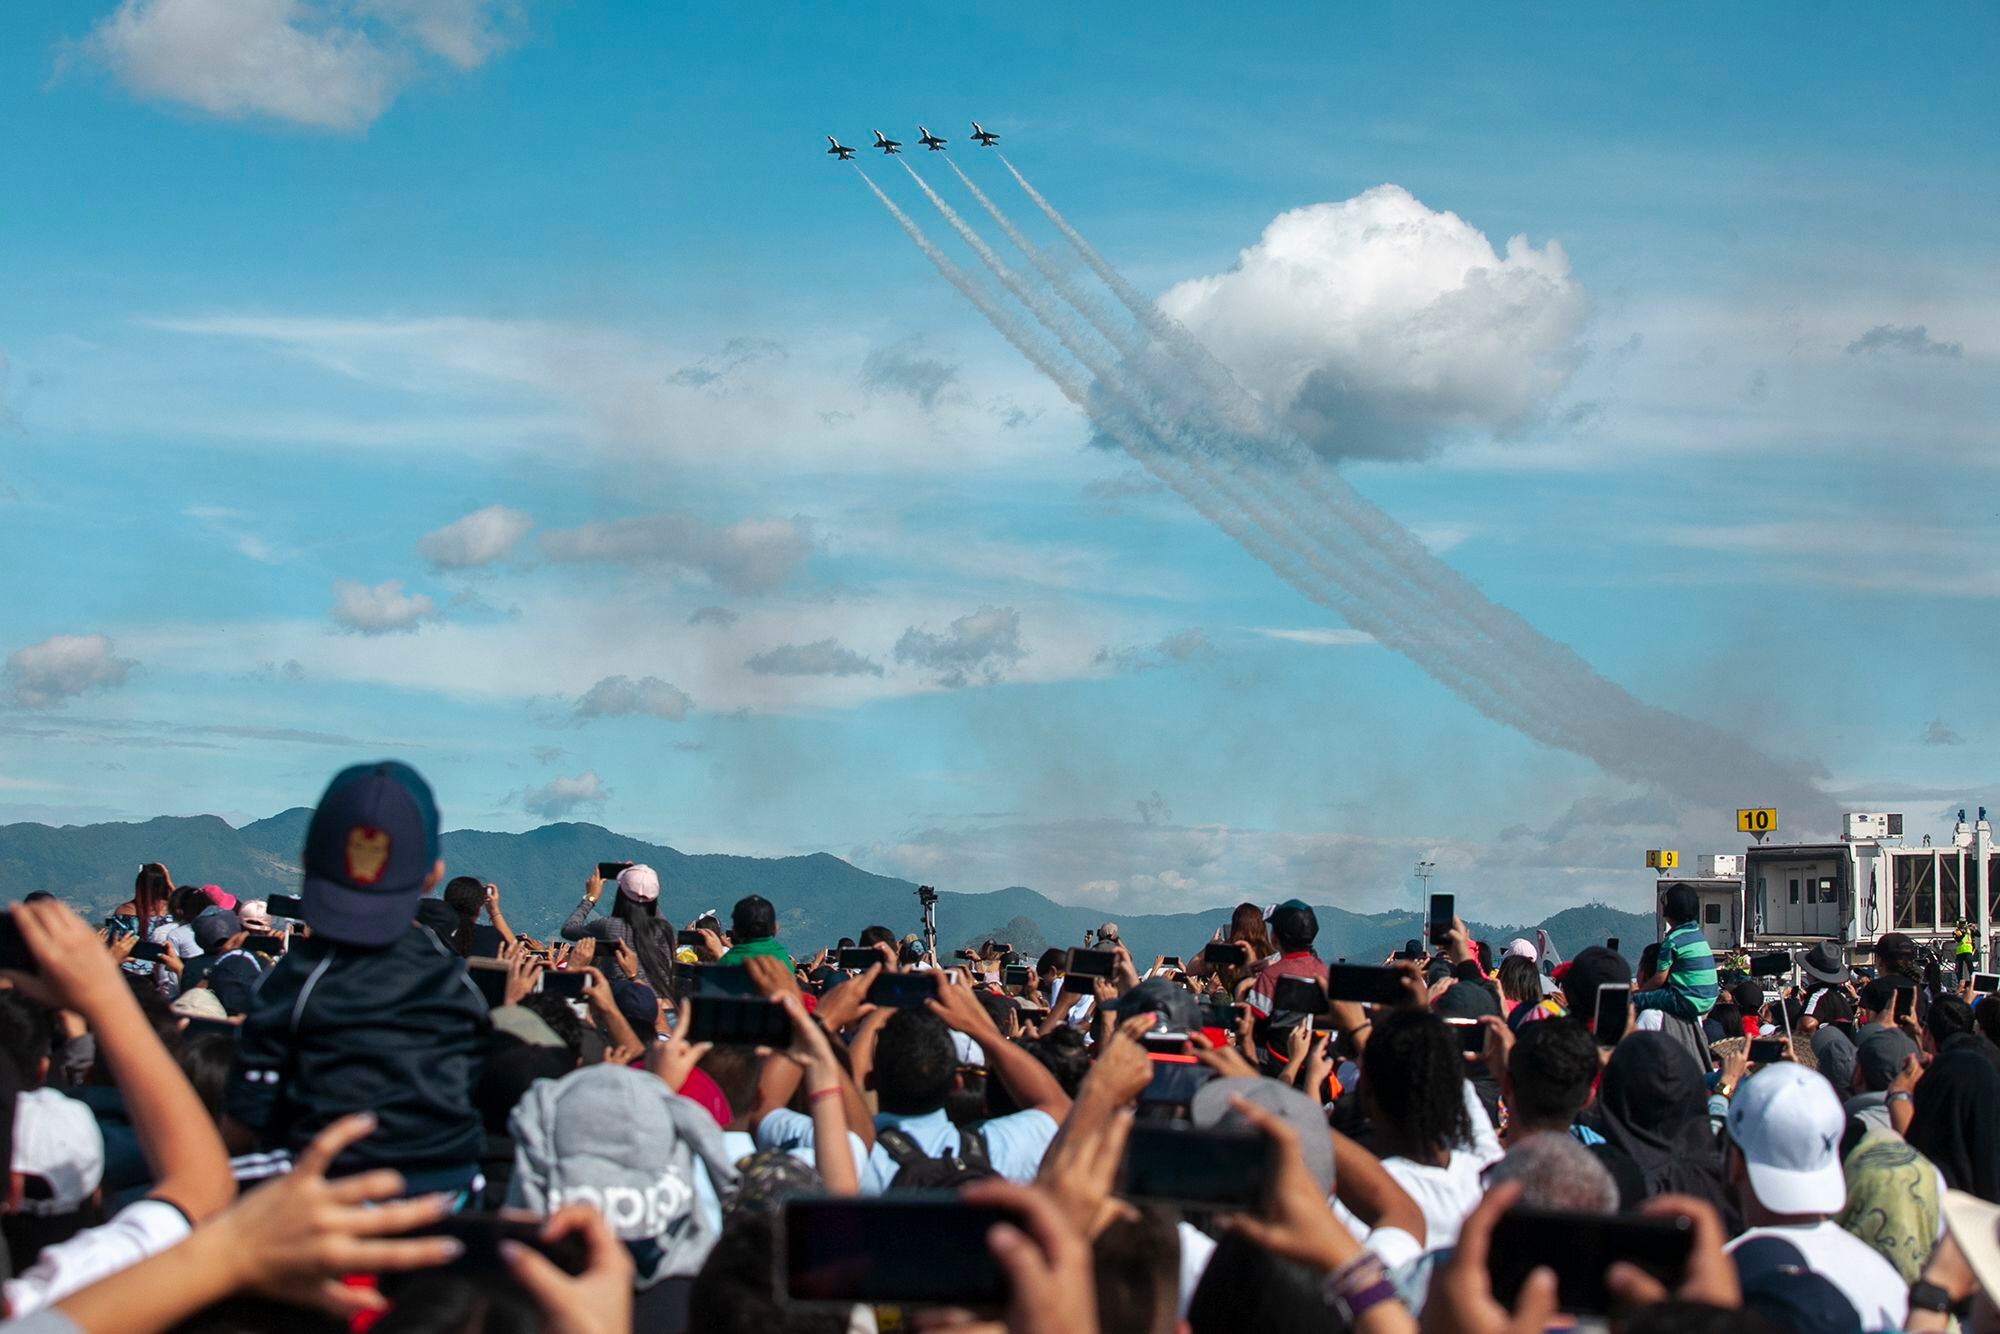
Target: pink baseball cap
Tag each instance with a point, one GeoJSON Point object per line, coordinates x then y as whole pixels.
{"type": "Point", "coordinates": [641, 884]}
{"type": "Point", "coordinates": [219, 896]}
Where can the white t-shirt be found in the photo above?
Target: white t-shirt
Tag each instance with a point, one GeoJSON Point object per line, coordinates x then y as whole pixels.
{"type": "Point", "coordinates": [1880, 1297]}
{"type": "Point", "coordinates": [139, 1231]}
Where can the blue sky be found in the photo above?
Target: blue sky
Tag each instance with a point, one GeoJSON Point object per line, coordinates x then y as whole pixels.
{"type": "Point", "coordinates": [291, 287]}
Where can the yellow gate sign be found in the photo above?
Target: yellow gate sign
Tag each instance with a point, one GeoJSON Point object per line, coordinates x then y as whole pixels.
{"type": "Point", "coordinates": [1663, 859]}
{"type": "Point", "coordinates": [1756, 820]}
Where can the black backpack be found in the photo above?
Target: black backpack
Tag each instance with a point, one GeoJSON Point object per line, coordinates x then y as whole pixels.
{"type": "Point", "coordinates": [917, 1170]}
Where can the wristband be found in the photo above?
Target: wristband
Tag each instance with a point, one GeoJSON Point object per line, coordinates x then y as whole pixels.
{"type": "Point", "coordinates": [1898, 1095]}
{"type": "Point", "coordinates": [831, 1091]}
{"type": "Point", "coordinates": [1358, 1286]}
{"type": "Point", "coordinates": [1928, 1296]}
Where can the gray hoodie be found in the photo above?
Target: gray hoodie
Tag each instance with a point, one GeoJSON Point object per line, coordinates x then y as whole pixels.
{"type": "Point", "coordinates": [619, 1139]}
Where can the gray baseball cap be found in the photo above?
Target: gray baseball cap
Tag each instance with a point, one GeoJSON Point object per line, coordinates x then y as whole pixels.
{"type": "Point", "coordinates": [1210, 1110]}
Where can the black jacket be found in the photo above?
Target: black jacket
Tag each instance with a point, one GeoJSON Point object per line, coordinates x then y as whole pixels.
{"type": "Point", "coordinates": [399, 1031]}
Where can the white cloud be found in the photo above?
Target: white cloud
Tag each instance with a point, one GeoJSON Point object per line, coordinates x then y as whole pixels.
{"type": "Point", "coordinates": [329, 66]}
{"type": "Point", "coordinates": [480, 538]}
{"type": "Point", "coordinates": [1376, 327]}
{"type": "Point", "coordinates": [826, 657]}
{"type": "Point", "coordinates": [563, 796]}
{"type": "Point", "coordinates": [977, 646]}
{"type": "Point", "coordinates": [1839, 552]}
{"type": "Point", "coordinates": [62, 667]}
{"type": "Point", "coordinates": [748, 556]}
{"type": "Point", "coordinates": [1182, 646]}
{"type": "Point", "coordinates": [1317, 636]}
{"type": "Point", "coordinates": [620, 696]}
{"type": "Point", "coordinates": [380, 610]}
{"type": "Point", "coordinates": [1914, 339]}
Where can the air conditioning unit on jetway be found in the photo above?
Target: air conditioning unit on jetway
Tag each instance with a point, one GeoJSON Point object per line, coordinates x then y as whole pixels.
{"type": "Point", "coordinates": [1862, 826]}
{"type": "Point", "coordinates": [1718, 866]}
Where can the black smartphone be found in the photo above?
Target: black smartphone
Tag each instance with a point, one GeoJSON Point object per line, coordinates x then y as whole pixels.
{"type": "Point", "coordinates": [1763, 1051]}
{"type": "Point", "coordinates": [610, 870]}
{"type": "Point", "coordinates": [285, 905]}
{"type": "Point", "coordinates": [1906, 1002]}
{"type": "Point", "coordinates": [903, 990]}
{"type": "Point", "coordinates": [1298, 995]}
{"type": "Point", "coordinates": [1770, 965]}
{"type": "Point", "coordinates": [480, 1235]}
{"type": "Point", "coordinates": [1985, 984]}
{"type": "Point", "coordinates": [267, 945]}
{"type": "Point", "coordinates": [692, 939]}
{"type": "Point", "coordinates": [1091, 963]}
{"type": "Point", "coordinates": [1167, 1044]}
{"type": "Point", "coordinates": [1580, 1247]}
{"type": "Point", "coordinates": [1221, 1014]}
{"type": "Point", "coordinates": [1471, 1035]}
{"type": "Point", "coordinates": [1613, 1013]}
{"type": "Point", "coordinates": [1612, 944]}
{"type": "Point", "coordinates": [1170, 961]}
{"type": "Point", "coordinates": [1175, 1080]}
{"type": "Point", "coordinates": [859, 960]}
{"type": "Point", "coordinates": [490, 976]}
{"type": "Point", "coordinates": [1016, 975]}
{"type": "Point", "coordinates": [1198, 1169]}
{"type": "Point", "coordinates": [732, 1021]}
{"type": "Point", "coordinates": [147, 951]}
{"type": "Point", "coordinates": [1223, 954]}
{"type": "Point", "coordinates": [14, 951]}
{"type": "Point", "coordinates": [568, 985]}
{"type": "Point", "coordinates": [1444, 911]}
{"type": "Point", "coordinates": [210, 1028]}
{"type": "Point", "coordinates": [1366, 983]}
{"type": "Point", "coordinates": [914, 1249]}
{"type": "Point", "coordinates": [116, 930]}
{"type": "Point", "coordinates": [1323, 1023]}
{"type": "Point", "coordinates": [717, 979]}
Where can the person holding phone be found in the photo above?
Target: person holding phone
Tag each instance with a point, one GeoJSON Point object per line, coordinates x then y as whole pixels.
{"type": "Point", "coordinates": [634, 919]}
{"type": "Point", "coordinates": [1294, 927]}
{"type": "Point", "coordinates": [1686, 985]}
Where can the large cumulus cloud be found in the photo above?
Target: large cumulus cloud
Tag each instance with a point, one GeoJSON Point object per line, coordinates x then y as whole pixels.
{"type": "Point", "coordinates": [1379, 328]}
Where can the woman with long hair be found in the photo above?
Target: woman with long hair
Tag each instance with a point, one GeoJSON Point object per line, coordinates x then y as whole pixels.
{"type": "Point", "coordinates": [1246, 928]}
{"type": "Point", "coordinates": [634, 920]}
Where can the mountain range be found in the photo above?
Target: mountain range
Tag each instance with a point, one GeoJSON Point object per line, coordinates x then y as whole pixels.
{"type": "Point", "coordinates": [819, 897]}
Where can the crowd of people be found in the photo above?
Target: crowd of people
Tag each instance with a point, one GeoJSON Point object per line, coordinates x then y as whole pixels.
{"type": "Point", "coordinates": [379, 1106]}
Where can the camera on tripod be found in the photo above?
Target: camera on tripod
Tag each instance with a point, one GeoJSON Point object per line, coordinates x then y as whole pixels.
{"type": "Point", "coordinates": [926, 895]}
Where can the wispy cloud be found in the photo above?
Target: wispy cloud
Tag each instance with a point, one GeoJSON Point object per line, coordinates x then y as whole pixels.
{"type": "Point", "coordinates": [382, 609]}
{"type": "Point", "coordinates": [1327, 637]}
{"type": "Point", "coordinates": [827, 657]}
{"type": "Point", "coordinates": [480, 538]}
{"type": "Point", "coordinates": [1912, 339]}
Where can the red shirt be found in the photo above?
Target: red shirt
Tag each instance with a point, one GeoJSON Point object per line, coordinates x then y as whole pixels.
{"type": "Point", "coordinates": [1301, 964]}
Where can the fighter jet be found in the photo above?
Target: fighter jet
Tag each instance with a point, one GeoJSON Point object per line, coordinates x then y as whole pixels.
{"type": "Point", "coordinates": [889, 147]}
{"type": "Point", "coordinates": [839, 150]}
{"type": "Point", "coordinates": [929, 140]}
{"type": "Point", "coordinates": [986, 138]}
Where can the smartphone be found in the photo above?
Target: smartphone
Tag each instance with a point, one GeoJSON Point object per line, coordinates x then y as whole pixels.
{"type": "Point", "coordinates": [490, 976]}
{"type": "Point", "coordinates": [903, 990]}
{"type": "Point", "coordinates": [1323, 1023]}
{"type": "Point", "coordinates": [1167, 1044]}
{"type": "Point", "coordinates": [480, 1235]}
{"type": "Point", "coordinates": [1906, 1002]}
{"type": "Point", "coordinates": [1366, 983]}
{"type": "Point", "coordinates": [1471, 1035]}
{"type": "Point", "coordinates": [210, 1028]}
{"type": "Point", "coordinates": [859, 960]}
{"type": "Point", "coordinates": [1175, 1080]}
{"type": "Point", "coordinates": [1198, 1169]}
{"type": "Point", "coordinates": [568, 985]}
{"type": "Point", "coordinates": [1613, 1013]}
{"type": "Point", "coordinates": [1444, 912]}
{"type": "Point", "coordinates": [1298, 995]}
{"type": "Point", "coordinates": [285, 905]}
{"type": "Point", "coordinates": [909, 1249]}
{"type": "Point", "coordinates": [691, 939]}
{"type": "Point", "coordinates": [716, 979]}
{"type": "Point", "coordinates": [14, 951]}
{"type": "Point", "coordinates": [1223, 954]}
{"type": "Point", "coordinates": [1580, 1247]}
{"type": "Point", "coordinates": [1221, 1014]}
{"type": "Point", "coordinates": [1770, 965]}
{"type": "Point", "coordinates": [732, 1021]}
{"type": "Point", "coordinates": [1170, 961]}
{"type": "Point", "coordinates": [148, 951]}
{"type": "Point", "coordinates": [1764, 1051]}
{"type": "Point", "coordinates": [610, 870]}
{"type": "Point", "coordinates": [1985, 983]}
{"type": "Point", "coordinates": [1612, 944]}
{"type": "Point", "coordinates": [267, 945]}
{"type": "Point", "coordinates": [1091, 963]}
{"type": "Point", "coordinates": [1016, 975]}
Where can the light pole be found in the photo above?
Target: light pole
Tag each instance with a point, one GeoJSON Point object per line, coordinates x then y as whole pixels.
{"type": "Point", "coordinates": [1425, 870]}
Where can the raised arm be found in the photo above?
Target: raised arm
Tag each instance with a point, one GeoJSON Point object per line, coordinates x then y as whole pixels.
{"type": "Point", "coordinates": [1025, 1078]}
{"type": "Point", "coordinates": [576, 926]}
{"type": "Point", "coordinates": [189, 1165]}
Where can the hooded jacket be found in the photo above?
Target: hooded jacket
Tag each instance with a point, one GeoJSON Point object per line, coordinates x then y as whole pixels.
{"type": "Point", "coordinates": [399, 1031]}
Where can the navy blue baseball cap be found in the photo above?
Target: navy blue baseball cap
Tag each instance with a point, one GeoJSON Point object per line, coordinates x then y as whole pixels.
{"type": "Point", "coordinates": [371, 845]}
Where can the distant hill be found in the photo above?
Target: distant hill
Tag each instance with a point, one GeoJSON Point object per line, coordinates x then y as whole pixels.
{"type": "Point", "coordinates": [819, 897]}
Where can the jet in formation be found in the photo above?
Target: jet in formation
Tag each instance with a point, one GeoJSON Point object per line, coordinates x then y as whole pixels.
{"type": "Point", "coordinates": [986, 138]}
{"type": "Point", "coordinates": [839, 150]}
{"type": "Point", "coordinates": [889, 147]}
{"type": "Point", "coordinates": [929, 140]}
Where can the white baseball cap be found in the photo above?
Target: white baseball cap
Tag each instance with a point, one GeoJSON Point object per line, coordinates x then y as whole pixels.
{"type": "Point", "coordinates": [56, 1139]}
{"type": "Point", "coordinates": [1787, 1121]}
{"type": "Point", "coordinates": [1518, 948]}
{"type": "Point", "coordinates": [1975, 1226]}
